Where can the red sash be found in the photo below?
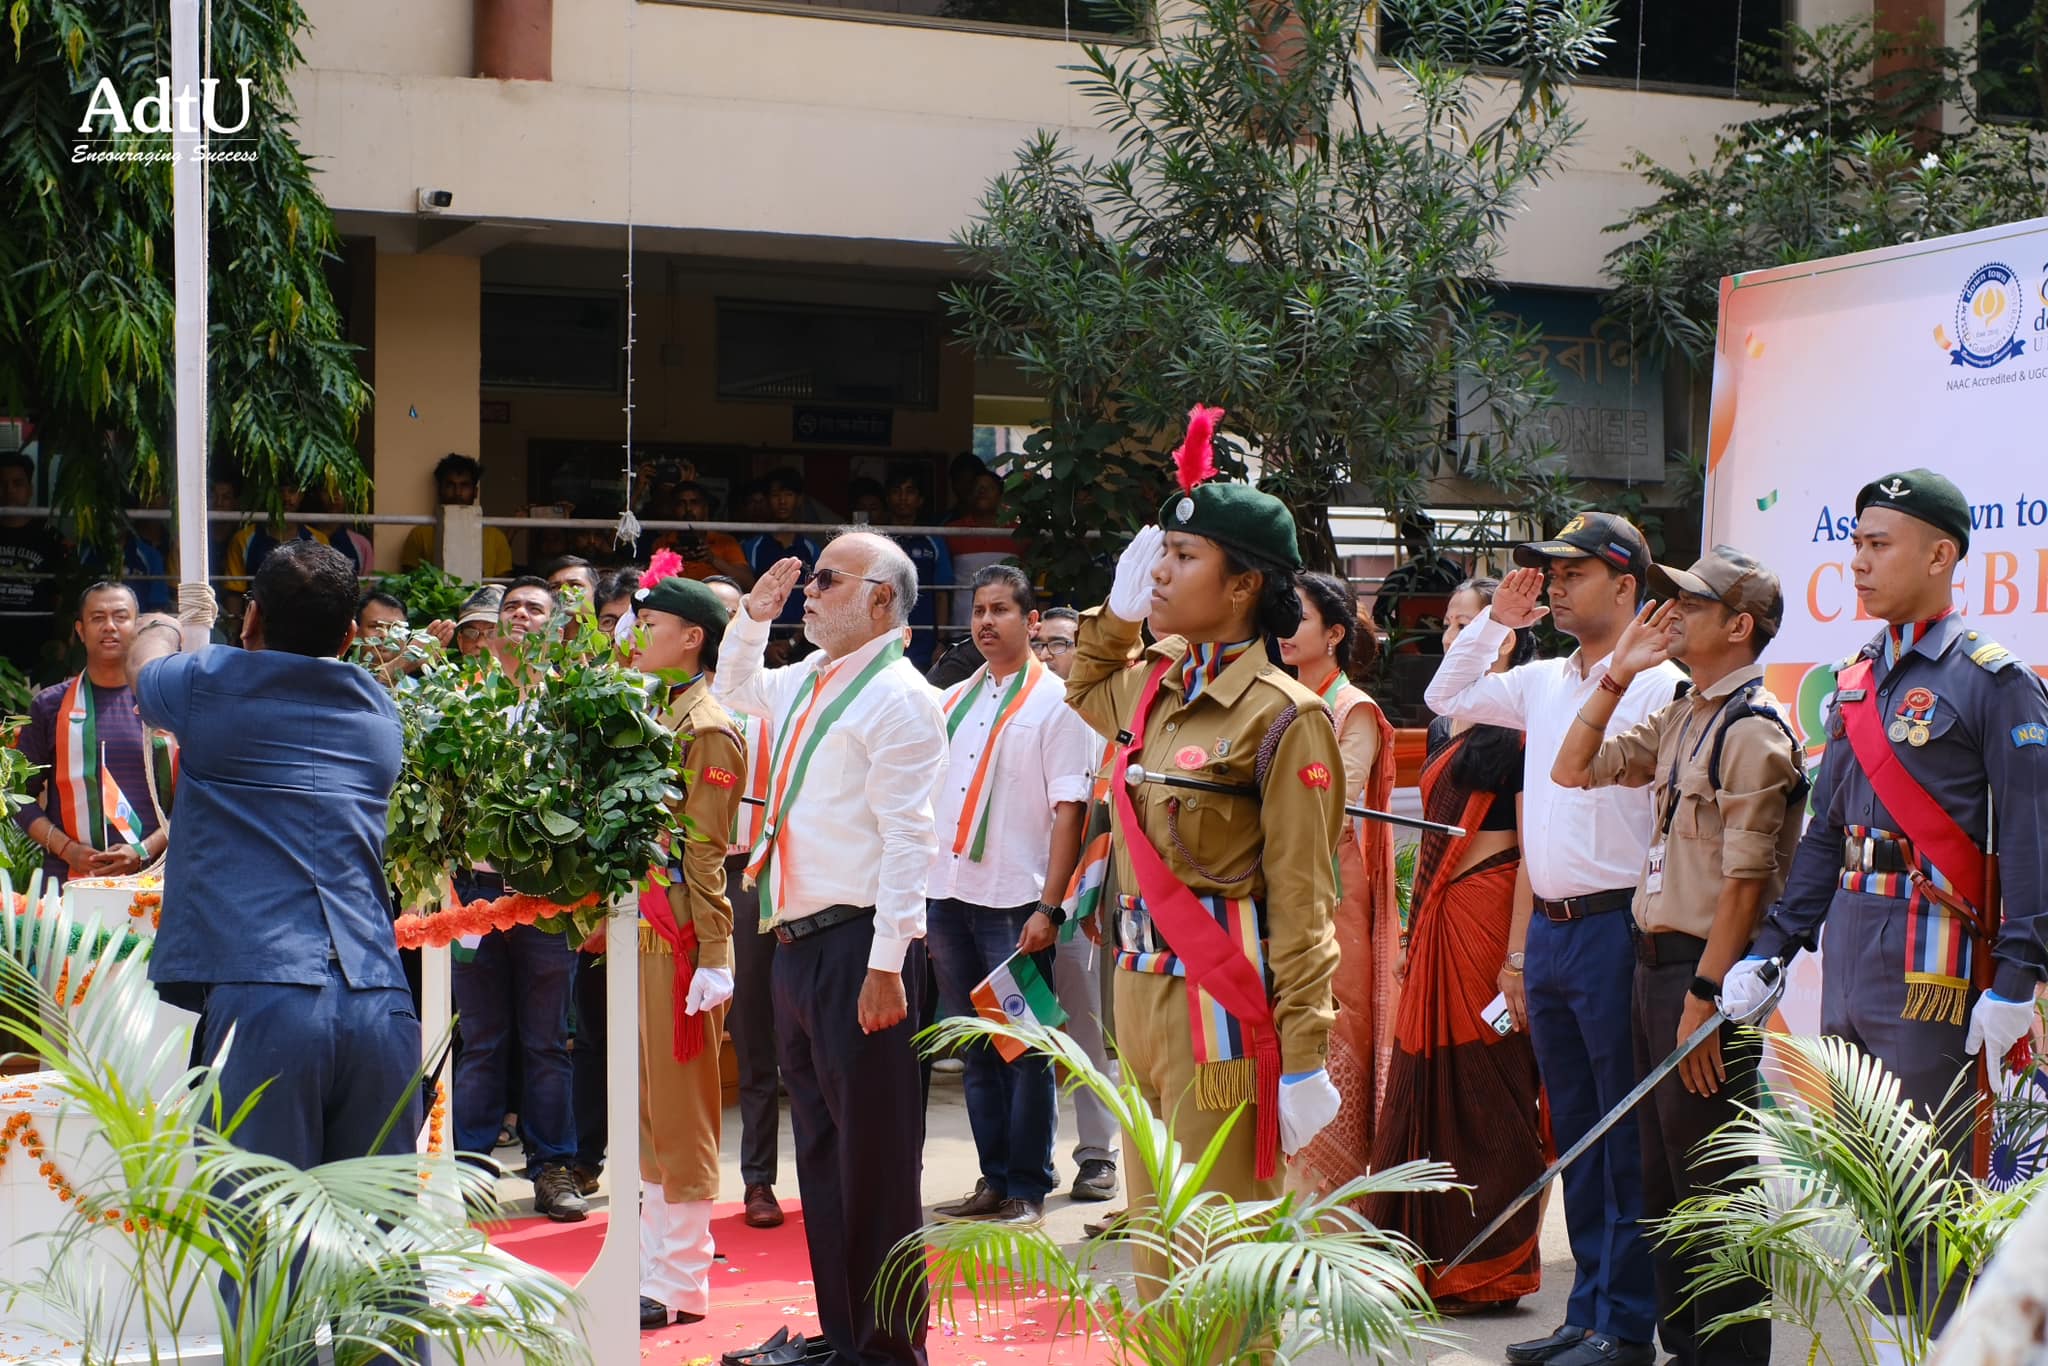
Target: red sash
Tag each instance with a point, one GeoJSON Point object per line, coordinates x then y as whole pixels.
{"type": "Point", "coordinates": [1921, 819]}
{"type": "Point", "coordinates": [1214, 964]}
{"type": "Point", "coordinates": [681, 937]}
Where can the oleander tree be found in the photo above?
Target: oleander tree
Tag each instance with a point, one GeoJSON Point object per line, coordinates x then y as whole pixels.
{"type": "Point", "coordinates": [1852, 153]}
{"type": "Point", "coordinates": [86, 303]}
{"type": "Point", "coordinates": [1292, 228]}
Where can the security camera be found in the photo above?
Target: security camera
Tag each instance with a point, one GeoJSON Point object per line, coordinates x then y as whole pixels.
{"type": "Point", "coordinates": [436, 201]}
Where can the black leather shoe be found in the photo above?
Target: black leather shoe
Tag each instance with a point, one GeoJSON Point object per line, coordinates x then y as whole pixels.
{"type": "Point", "coordinates": [1598, 1349]}
{"type": "Point", "coordinates": [781, 1350]}
{"type": "Point", "coordinates": [984, 1203]}
{"type": "Point", "coordinates": [653, 1314]}
{"type": "Point", "coordinates": [1095, 1181]}
{"type": "Point", "coordinates": [1543, 1349]}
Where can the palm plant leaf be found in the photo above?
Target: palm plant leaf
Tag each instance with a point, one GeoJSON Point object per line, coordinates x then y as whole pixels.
{"type": "Point", "coordinates": [1243, 1279]}
{"type": "Point", "coordinates": [348, 1260]}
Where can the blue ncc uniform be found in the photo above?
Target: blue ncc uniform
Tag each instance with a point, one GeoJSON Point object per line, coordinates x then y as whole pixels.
{"type": "Point", "coordinates": [1969, 723]}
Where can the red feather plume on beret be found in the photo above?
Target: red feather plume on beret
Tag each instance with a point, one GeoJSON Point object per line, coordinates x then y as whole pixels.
{"type": "Point", "coordinates": [1195, 461]}
{"type": "Point", "coordinates": [665, 564]}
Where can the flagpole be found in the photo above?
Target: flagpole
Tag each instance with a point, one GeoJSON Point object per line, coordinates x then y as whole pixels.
{"type": "Point", "coordinates": [188, 239]}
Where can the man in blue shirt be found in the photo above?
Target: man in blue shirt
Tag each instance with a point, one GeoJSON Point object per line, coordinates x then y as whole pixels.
{"type": "Point", "coordinates": [276, 919]}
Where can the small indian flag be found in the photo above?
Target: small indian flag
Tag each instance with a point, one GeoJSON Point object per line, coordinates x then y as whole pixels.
{"type": "Point", "coordinates": [1084, 890]}
{"type": "Point", "coordinates": [122, 822]}
{"type": "Point", "coordinates": [1017, 993]}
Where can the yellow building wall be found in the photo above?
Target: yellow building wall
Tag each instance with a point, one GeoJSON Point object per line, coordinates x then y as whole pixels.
{"type": "Point", "coordinates": [426, 366]}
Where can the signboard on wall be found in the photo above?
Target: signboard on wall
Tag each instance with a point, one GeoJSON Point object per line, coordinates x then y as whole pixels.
{"type": "Point", "coordinates": [1608, 418]}
{"type": "Point", "coordinates": [1831, 374]}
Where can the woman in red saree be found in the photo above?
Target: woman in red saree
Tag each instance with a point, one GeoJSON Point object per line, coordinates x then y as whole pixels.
{"type": "Point", "coordinates": [1458, 1090]}
{"type": "Point", "coordinates": [1330, 647]}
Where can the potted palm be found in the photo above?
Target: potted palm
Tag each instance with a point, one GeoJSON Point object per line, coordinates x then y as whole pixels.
{"type": "Point", "coordinates": [1246, 1281]}
{"type": "Point", "coordinates": [170, 1232]}
{"type": "Point", "coordinates": [1838, 1192]}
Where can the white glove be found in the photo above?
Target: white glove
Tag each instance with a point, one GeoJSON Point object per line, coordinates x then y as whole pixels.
{"type": "Point", "coordinates": [1744, 989]}
{"type": "Point", "coordinates": [1998, 1024]}
{"type": "Point", "coordinates": [1308, 1103]}
{"type": "Point", "coordinates": [622, 634]}
{"type": "Point", "coordinates": [1130, 596]}
{"type": "Point", "coordinates": [710, 988]}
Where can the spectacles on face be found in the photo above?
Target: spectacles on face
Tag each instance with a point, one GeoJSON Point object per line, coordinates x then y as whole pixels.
{"type": "Point", "coordinates": [828, 579]}
{"type": "Point", "coordinates": [474, 631]}
{"type": "Point", "coordinates": [1051, 647]}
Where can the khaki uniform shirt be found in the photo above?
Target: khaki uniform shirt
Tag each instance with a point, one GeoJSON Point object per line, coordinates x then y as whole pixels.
{"type": "Point", "coordinates": [1748, 828]}
{"type": "Point", "coordinates": [714, 778]}
{"type": "Point", "coordinates": [1277, 849]}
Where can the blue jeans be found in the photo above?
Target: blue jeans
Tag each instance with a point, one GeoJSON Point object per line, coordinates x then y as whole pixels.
{"type": "Point", "coordinates": [1579, 977]}
{"type": "Point", "coordinates": [513, 998]}
{"type": "Point", "coordinates": [1012, 1107]}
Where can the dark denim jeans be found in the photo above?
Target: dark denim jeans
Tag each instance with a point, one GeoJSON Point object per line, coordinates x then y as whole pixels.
{"type": "Point", "coordinates": [513, 998]}
{"type": "Point", "coordinates": [1012, 1107]}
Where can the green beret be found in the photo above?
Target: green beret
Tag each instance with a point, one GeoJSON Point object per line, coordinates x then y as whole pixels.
{"type": "Point", "coordinates": [1238, 517]}
{"type": "Point", "coordinates": [1924, 496]}
{"type": "Point", "coordinates": [686, 598]}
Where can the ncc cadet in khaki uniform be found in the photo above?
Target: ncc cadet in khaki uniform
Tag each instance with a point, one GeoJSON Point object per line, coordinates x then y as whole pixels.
{"type": "Point", "coordinates": [685, 960]}
{"type": "Point", "coordinates": [1937, 753]}
{"type": "Point", "coordinates": [1727, 781]}
{"type": "Point", "coordinates": [1224, 941]}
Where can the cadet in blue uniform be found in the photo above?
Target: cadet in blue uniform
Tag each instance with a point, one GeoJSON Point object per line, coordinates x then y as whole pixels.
{"type": "Point", "coordinates": [1934, 728]}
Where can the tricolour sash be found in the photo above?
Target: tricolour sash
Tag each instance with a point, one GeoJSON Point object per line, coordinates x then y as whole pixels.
{"type": "Point", "coordinates": [971, 835]}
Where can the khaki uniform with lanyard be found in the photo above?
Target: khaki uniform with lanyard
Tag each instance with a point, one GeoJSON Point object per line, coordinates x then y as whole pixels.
{"type": "Point", "coordinates": [684, 927]}
{"type": "Point", "coordinates": [1223, 930]}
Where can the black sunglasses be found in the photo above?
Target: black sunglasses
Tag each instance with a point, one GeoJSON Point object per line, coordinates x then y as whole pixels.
{"type": "Point", "coordinates": [828, 579]}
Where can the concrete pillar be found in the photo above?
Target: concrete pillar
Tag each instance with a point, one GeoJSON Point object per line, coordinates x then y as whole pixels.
{"type": "Point", "coordinates": [1923, 25]}
{"type": "Point", "coordinates": [515, 39]}
{"type": "Point", "coordinates": [429, 358]}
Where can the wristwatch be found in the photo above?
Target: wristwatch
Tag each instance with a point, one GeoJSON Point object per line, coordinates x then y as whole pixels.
{"type": "Point", "coordinates": [1514, 963]}
{"type": "Point", "coordinates": [1704, 989]}
{"type": "Point", "coordinates": [1056, 914]}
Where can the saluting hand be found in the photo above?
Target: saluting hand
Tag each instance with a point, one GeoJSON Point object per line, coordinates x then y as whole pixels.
{"type": "Point", "coordinates": [1644, 644]}
{"type": "Point", "coordinates": [772, 589]}
{"type": "Point", "coordinates": [1515, 601]}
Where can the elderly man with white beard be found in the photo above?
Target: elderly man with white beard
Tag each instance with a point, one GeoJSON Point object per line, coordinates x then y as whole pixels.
{"type": "Point", "coordinates": [840, 866]}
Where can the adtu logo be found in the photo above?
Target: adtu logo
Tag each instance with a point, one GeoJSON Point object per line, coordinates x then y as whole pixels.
{"type": "Point", "coordinates": [159, 112]}
{"type": "Point", "coordinates": [1987, 319]}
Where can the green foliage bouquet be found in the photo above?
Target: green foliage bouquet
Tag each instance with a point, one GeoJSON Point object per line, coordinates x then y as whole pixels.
{"type": "Point", "coordinates": [430, 594]}
{"type": "Point", "coordinates": [554, 767]}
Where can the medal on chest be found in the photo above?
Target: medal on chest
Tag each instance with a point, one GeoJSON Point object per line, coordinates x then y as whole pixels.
{"type": "Point", "coordinates": [1910, 726]}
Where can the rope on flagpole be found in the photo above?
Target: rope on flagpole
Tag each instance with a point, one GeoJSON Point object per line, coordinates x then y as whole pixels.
{"type": "Point", "coordinates": [628, 530]}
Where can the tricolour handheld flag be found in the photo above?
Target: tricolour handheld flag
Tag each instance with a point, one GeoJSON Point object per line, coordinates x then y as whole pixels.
{"type": "Point", "coordinates": [1017, 993]}
{"type": "Point", "coordinates": [122, 822]}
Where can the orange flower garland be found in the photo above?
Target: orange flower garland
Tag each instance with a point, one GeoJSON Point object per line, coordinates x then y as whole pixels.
{"type": "Point", "coordinates": [445, 926]}
{"type": "Point", "coordinates": [150, 904]}
{"type": "Point", "coordinates": [437, 1120]}
{"type": "Point", "coordinates": [20, 1127]}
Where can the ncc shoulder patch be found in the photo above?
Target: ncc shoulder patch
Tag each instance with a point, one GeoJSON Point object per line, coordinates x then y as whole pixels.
{"type": "Point", "coordinates": [1316, 775]}
{"type": "Point", "coordinates": [2030, 733]}
{"type": "Point", "coordinates": [720, 777]}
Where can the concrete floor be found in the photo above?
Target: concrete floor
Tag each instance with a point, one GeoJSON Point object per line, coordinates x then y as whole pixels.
{"type": "Point", "coordinates": [950, 1170]}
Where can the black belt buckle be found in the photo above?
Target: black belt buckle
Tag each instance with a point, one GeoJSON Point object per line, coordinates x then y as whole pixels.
{"type": "Point", "coordinates": [831, 918]}
{"type": "Point", "coordinates": [1663, 948]}
{"type": "Point", "coordinates": [1567, 909]}
{"type": "Point", "coordinates": [1872, 854]}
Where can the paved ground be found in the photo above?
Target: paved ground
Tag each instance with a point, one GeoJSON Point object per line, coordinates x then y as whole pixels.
{"type": "Point", "coordinates": [950, 1169]}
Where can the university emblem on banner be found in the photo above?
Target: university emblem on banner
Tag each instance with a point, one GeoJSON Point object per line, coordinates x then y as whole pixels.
{"type": "Point", "coordinates": [1988, 316]}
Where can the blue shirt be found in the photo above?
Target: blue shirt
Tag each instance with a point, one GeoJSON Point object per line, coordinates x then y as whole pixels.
{"type": "Point", "coordinates": [763, 551]}
{"type": "Point", "coordinates": [286, 766]}
{"type": "Point", "coordinates": [934, 566]}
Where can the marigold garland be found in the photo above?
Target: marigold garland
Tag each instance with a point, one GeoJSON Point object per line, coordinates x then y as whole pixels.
{"type": "Point", "coordinates": [445, 926]}
{"type": "Point", "coordinates": [20, 1127]}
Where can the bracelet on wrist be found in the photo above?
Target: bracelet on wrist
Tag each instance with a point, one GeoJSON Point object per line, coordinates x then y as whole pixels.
{"type": "Point", "coordinates": [1608, 684]}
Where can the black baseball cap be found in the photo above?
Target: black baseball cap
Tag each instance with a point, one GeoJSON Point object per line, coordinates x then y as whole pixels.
{"type": "Point", "coordinates": [1596, 536]}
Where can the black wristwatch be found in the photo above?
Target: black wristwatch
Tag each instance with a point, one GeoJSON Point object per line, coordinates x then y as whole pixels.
{"type": "Point", "coordinates": [1056, 914]}
{"type": "Point", "coordinates": [1704, 989]}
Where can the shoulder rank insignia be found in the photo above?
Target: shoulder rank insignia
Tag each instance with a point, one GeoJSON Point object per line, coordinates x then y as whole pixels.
{"type": "Point", "coordinates": [1989, 654]}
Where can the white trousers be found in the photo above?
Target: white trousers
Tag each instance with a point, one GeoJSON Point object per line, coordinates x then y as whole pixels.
{"type": "Point", "coordinates": [676, 1249]}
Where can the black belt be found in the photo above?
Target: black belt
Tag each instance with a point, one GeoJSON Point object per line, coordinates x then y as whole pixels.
{"type": "Point", "coordinates": [1869, 854]}
{"type": "Point", "coordinates": [831, 918]}
{"type": "Point", "coordinates": [1668, 948]}
{"type": "Point", "coordinates": [1579, 907]}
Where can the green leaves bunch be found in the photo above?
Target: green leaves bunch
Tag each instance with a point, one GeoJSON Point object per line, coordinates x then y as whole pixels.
{"type": "Point", "coordinates": [429, 592]}
{"type": "Point", "coordinates": [1848, 161]}
{"type": "Point", "coordinates": [1274, 234]}
{"type": "Point", "coordinates": [562, 786]}
{"type": "Point", "coordinates": [86, 300]}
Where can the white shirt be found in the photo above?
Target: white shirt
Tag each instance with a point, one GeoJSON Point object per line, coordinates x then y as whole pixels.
{"type": "Point", "coordinates": [860, 830]}
{"type": "Point", "coordinates": [1042, 758]}
{"type": "Point", "coordinates": [1574, 841]}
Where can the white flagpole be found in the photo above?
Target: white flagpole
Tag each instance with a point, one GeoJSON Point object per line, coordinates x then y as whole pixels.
{"type": "Point", "coordinates": [188, 236]}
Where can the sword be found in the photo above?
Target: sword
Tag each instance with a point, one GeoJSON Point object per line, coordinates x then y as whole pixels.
{"type": "Point", "coordinates": [1138, 773]}
{"type": "Point", "coordinates": [1774, 976]}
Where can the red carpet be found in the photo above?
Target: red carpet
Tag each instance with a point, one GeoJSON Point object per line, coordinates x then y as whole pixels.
{"type": "Point", "coordinates": [763, 1283]}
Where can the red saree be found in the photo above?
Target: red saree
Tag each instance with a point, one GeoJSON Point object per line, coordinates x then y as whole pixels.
{"type": "Point", "coordinates": [1456, 1091]}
